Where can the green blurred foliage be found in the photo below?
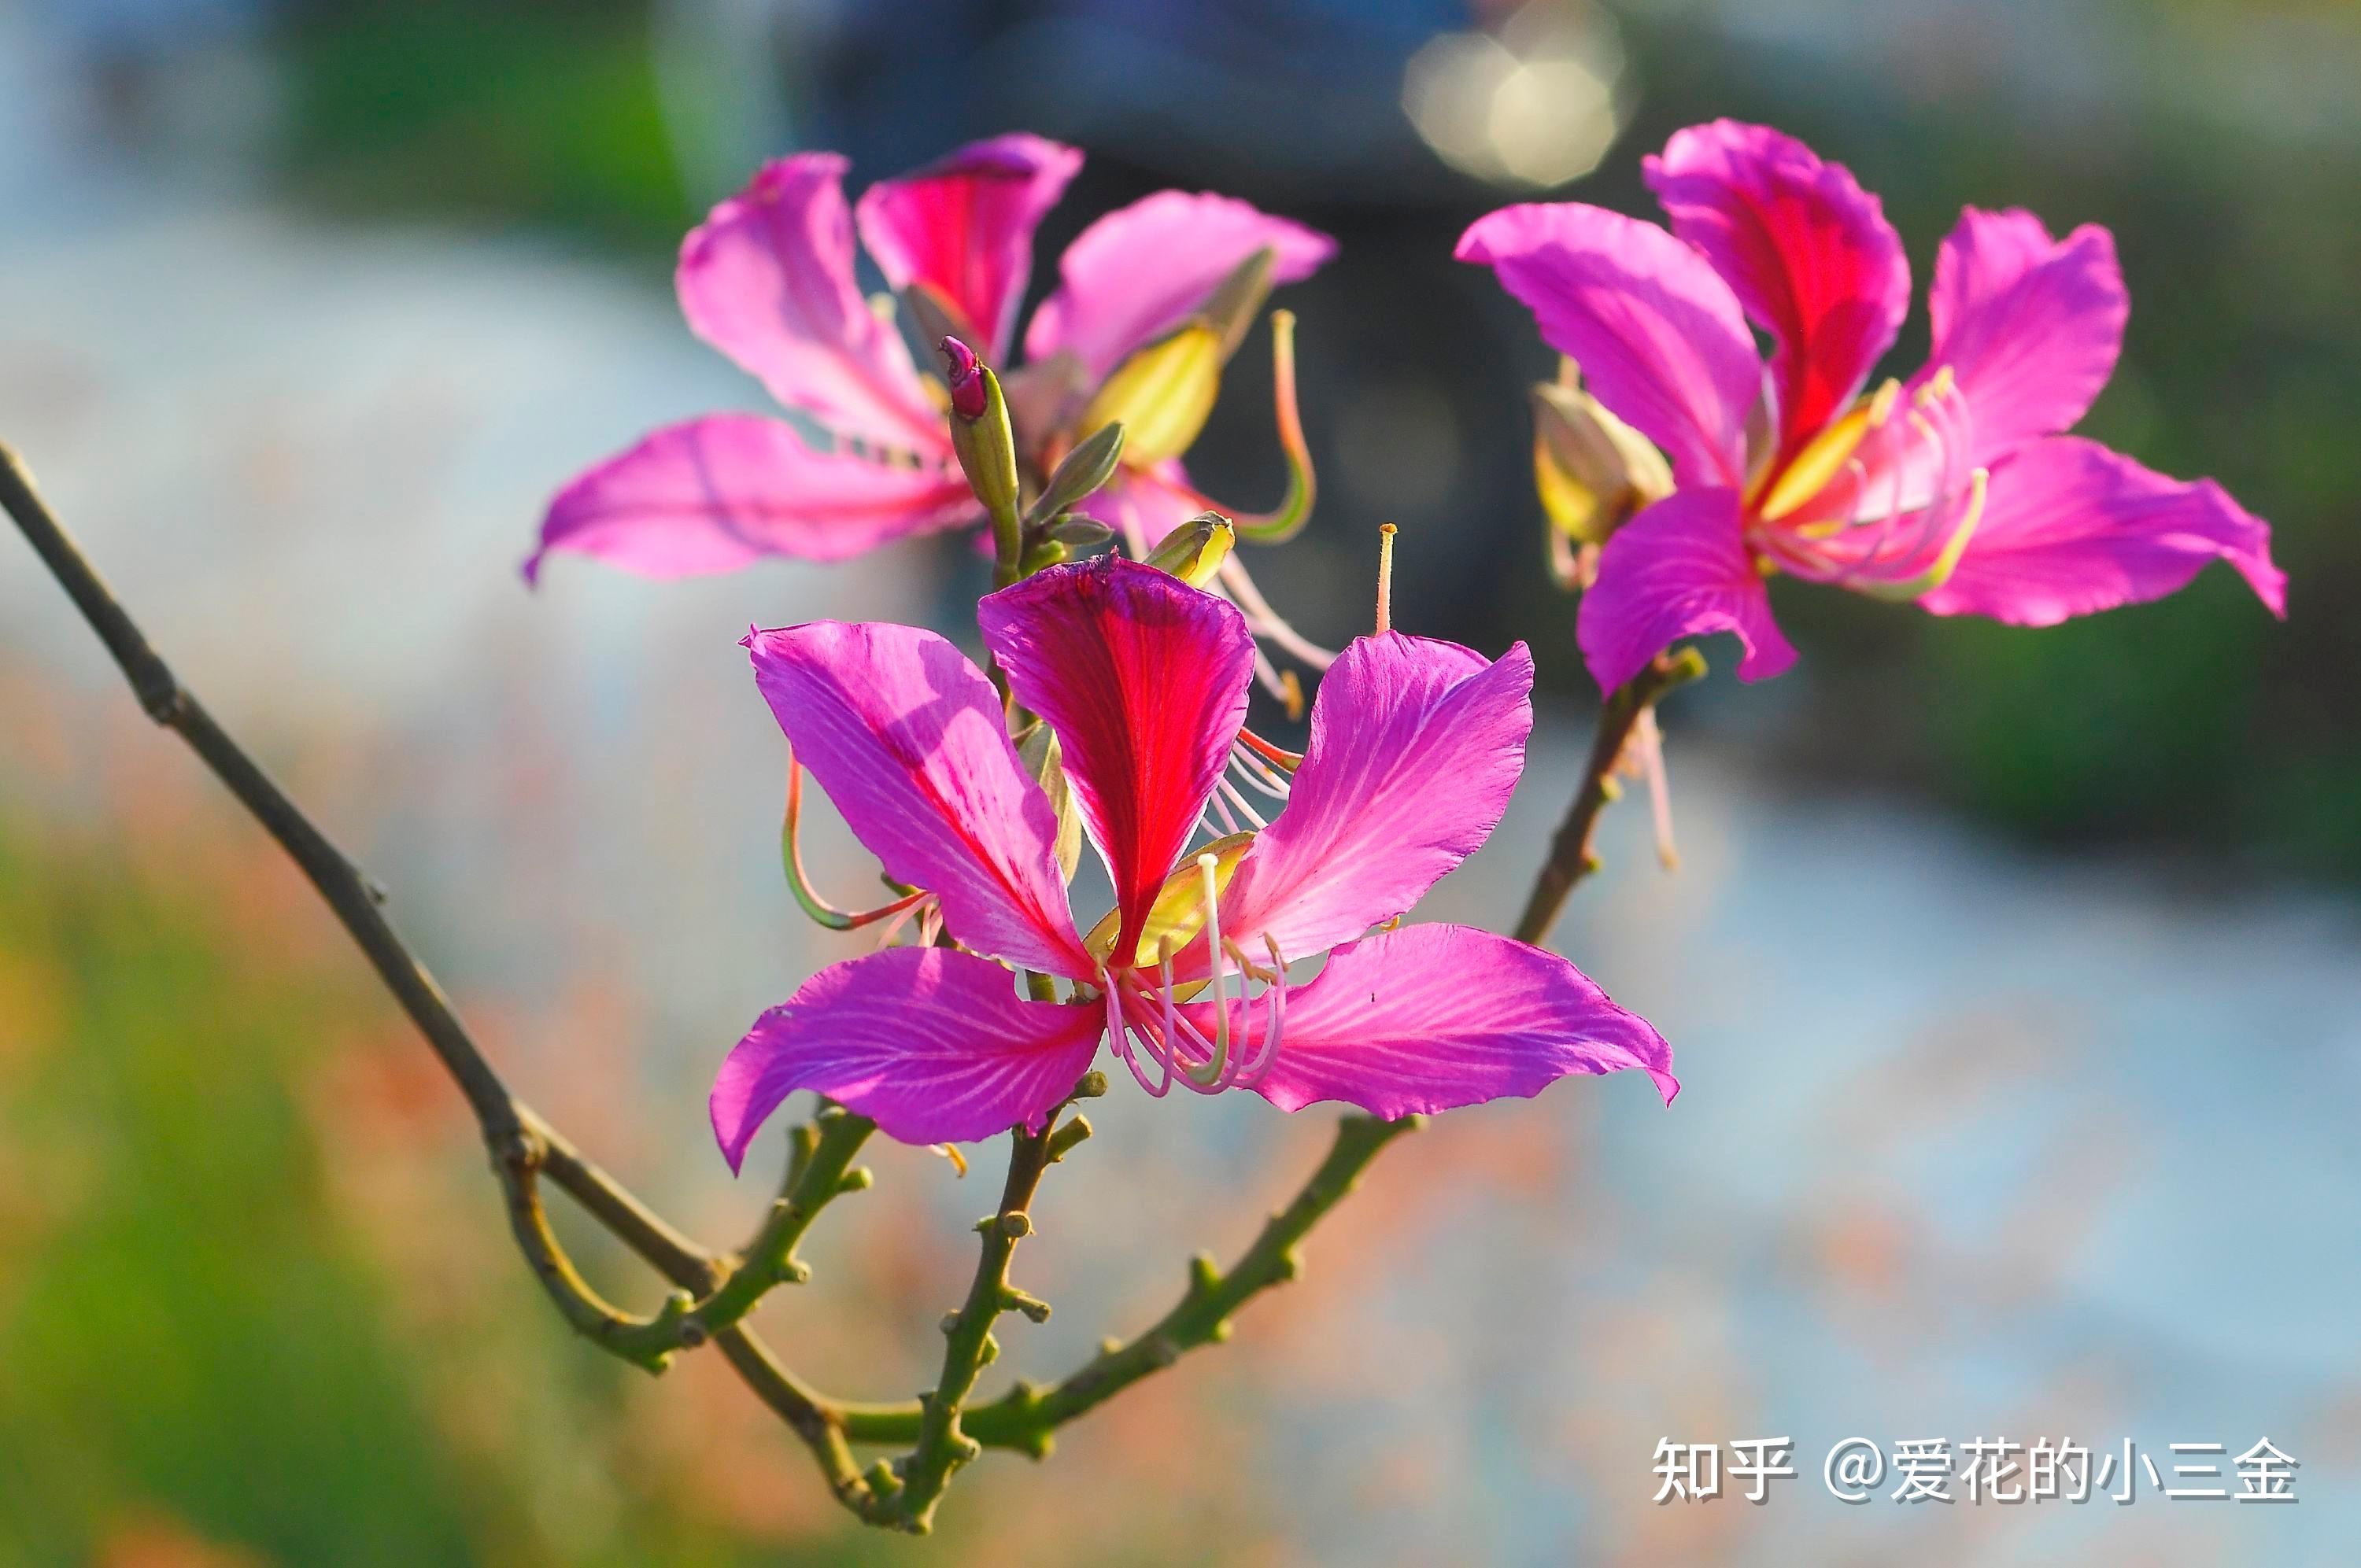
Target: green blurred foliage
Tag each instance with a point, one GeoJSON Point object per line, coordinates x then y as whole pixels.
{"type": "Point", "coordinates": [544, 111]}
{"type": "Point", "coordinates": [200, 1364]}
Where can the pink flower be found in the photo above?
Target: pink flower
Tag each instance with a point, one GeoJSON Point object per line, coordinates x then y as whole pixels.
{"type": "Point", "coordinates": [1954, 490]}
{"type": "Point", "coordinates": [1414, 749]}
{"type": "Point", "coordinates": [768, 279]}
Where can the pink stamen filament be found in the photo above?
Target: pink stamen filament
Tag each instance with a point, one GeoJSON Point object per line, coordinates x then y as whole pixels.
{"type": "Point", "coordinates": [1258, 774]}
{"type": "Point", "coordinates": [1208, 865]}
{"type": "Point", "coordinates": [1236, 797]}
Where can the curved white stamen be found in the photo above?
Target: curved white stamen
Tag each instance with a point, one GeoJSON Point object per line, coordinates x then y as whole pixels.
{"type": "Point", "coordinates": [1259, 774]}
{"type": "Point", "coordinates": [1119, 1033]}
{"type": "Point", "coordinates": [1274, 1023]}
{"type": "Point", "coordinates": [1238, 799]}
{"type": "Point", "coordinates": [1208, 865]}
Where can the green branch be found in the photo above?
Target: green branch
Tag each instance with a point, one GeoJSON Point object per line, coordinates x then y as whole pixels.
{"type": "Point", "coordinates": [1571, 858]}
{"type": "Point", "coordinates": [1025, 1417]}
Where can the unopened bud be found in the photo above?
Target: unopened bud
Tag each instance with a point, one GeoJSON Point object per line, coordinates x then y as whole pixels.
{"type": "Point", "coordinates": [1162, 394]}
{"type": "Point", "coordinates": [964, 371]}
{"type": "Point", "coordinates": [1594, 472]}
{"type": "Point", "coordinates": [1089, 466]}
{"type": "Point", "coordinates": [1079, 532]}
{"type": "Point", "coordinates": [986, 445]}
{"type": "Point", "coordinates": [1195, 551]}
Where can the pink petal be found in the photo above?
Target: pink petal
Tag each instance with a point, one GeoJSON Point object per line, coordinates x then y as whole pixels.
{"type": "Point", "coordinates": [1808, 252]}
{"type": "Point", "coordinates": [1659, 337]}
{"type": "Point", "coordinates": [713, 494]}
{"type": "Point", "coordinates": [1679, 569]}
{"type": "Point", "coordinates": [1141, 270]}
{"type": "Point", "coordinates": [906, 737]}
{"type": "Point", "coordinates": [2031, 326]}
{"type": "Point", "coordinates": [767, 279]}
{"type": "Point", "coordinates": [1430, 1018]}
{"type": "Point", "coordinates": [964, 226]}
{"type": "Point", "coordinates": [1144, 680]}
{"type": "Point", "coordinates": [1416, 746]}
{"type": "Point", "coordinates": [934, 1046]}
{"type": "Point", "coordinates": [2070, 528]}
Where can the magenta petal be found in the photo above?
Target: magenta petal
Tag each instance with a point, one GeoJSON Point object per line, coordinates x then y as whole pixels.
{"type": "Point", "coordinates": [1430, 1018]}
{"type": "Point", "coordinates": [906, 737]}
{"type": "Point", "coordinates": [1144, 678]}
{"type": "Point", "coordinates": [1679, 569]}
{"type": "Point", "coordinates": [964, 226]}
{"type": "Point", "coordinates": [2031, 326]}
{"type": "Point", "coordinates": [1808, 252]}
{"type": "Point", "coordinates": [767, 279]}
{"type": "Point", "coordinates": [1141, 270]}
{"type": "Point", "coordinates": [2070, 528]}
{"type": "Point", "coordinates": [1659, 337]}
{"type": "Point", "coordinates": [1415, 748]}
{"type": "Point", "coordinates": [934, 1046]}
{"type": "Point", "coordinates": [713, 494]}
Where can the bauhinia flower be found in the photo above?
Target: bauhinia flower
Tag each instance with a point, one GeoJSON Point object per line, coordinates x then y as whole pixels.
{"type": "Point", "coordinates": [1415, 748]}
{"type": "Point", "coordinates": [1151, 301]}
{"type": "Point", "coordinates": [1954, 490]}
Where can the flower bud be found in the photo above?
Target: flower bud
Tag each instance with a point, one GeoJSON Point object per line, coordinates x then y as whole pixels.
{"type": "Point", "coordinates": [1161, 394]}
{"type": "Point", "coordinates": [1195, 551]}
{"type": "Point", "coordinates": [965, 373]}
{"type": "Point", "coordinates": [1594, 472]}
{"type": "Point", "coordinates": [1089, 465]}
{"type": "Point", "coordinates": [986, 445]}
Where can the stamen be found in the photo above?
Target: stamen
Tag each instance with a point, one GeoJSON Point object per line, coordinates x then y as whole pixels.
{"type": "Point", "coordinates": [1224, 787]}
{"type": "Point", "coordinates": [1258, 774]}
{"type": "Point", "coordinates": [1119, 1036]}
{"type": "Point", "coordinates": [1207, 865]}
{"type": "Point", "coordinates": [798, 881]}
{"type": "Point", "coordinates": [1265, 621]}
{"type": "Point", "coordinates": [1222, 809]}
{"type": "Point", "coordinates": [1648, 742]}
{"type": "Point", "coordinates": [951, 1152]}
{"type": "Point", "coordinates": [1274, 1020]}
{"type": "Point", "coordinates": [1385, 577]}
{"type": "Point", "coordinates": [1279, 757]}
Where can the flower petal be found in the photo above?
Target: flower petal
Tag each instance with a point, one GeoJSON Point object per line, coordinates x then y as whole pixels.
{"type": "Point", "coordinates": [964, 227]}
{"type": "Point", "coordinates": [1808, 252]}
{"type": "Point", "coordinates": [1415, 748]}
{"type": "Point", "coordinates": [1143, 268]}
{"type": "Point", "coordinates": [1678, 569]}
{"type": "Point", "coordinates": [1144, 680]}
{"type": "Point", "coordinates": [767, 279]}
{"type": "Point", "coordinates": [713, 494]}
{"type": "Point", "coordinates": [2031, 325]}
{"type": "Point", "coordinates": [1430, 1018]}
{"type": "Point", "coordinates": [934, 1046]}
{"type": "Point", "coordinates": [906, 737]}
{"type": "Point", "coordinates": [1660, 337]}
{"type": "Point", "coordinates": [2070, 528]}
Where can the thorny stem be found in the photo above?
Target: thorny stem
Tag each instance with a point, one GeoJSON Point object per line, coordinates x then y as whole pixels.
{"type": "Point", "coordinates": [1571, 858]}
{"type": "Point", "coordinates": [1024, 1418]}
{"type": "Point", "coordinates": [941, 1447]}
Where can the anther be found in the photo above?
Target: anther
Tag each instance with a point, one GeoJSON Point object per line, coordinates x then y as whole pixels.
{"type": "Point", "coordinates": [1385, 577]}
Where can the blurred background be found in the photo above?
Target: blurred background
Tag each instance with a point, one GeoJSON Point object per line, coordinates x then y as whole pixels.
{"type": "Point", "coordinates": [2014, 977]}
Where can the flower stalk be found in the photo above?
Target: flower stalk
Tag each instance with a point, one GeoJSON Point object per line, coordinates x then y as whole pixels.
{"type": "Point", "coordinates": [1571, 857]}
